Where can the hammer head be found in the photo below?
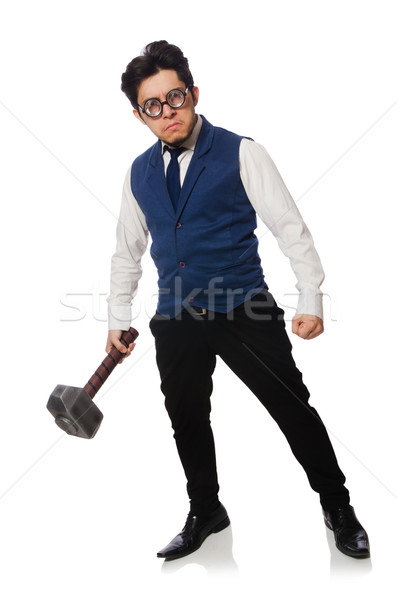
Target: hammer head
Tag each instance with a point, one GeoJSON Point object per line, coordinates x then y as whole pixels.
{"type": "Point", "coordinates": [74, 411]}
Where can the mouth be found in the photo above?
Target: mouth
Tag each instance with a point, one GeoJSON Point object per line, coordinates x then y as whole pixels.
{"type": "Point", "coordinates": [173, 126]}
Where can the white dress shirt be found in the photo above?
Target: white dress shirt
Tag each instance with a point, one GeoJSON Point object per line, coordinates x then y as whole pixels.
{"type": "Point", "coordinates": [272, 202]}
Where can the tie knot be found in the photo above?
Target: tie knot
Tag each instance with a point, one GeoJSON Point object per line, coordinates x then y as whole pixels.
{"type": "Point", "coordinates": [175, 152]}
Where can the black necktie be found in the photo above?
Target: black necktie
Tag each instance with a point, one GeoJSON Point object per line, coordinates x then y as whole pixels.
{"type": "Point", "coordinates": [173, 182]}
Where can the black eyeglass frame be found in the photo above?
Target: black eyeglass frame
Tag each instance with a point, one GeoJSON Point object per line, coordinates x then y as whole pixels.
{"type": "Point", "coordinates": [166, 101]}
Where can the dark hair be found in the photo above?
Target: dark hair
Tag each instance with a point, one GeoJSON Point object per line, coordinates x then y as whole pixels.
{"type": "Point", "coordinates": [155, 57]}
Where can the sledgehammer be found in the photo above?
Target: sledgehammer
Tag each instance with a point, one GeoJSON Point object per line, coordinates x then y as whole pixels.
{"type": "Point", "coordinates": [73, 408]}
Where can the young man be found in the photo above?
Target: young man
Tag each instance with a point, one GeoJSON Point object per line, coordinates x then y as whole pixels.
{"type": "Point", "coordinates": [197, 192]}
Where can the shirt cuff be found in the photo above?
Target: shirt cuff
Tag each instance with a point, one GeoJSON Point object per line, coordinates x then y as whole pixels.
{"type": "Point", "coordinates": [310, 302]}
{"type": "Point", "coordinates": [119, 317]}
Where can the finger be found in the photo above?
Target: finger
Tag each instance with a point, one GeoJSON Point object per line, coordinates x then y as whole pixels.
{"type": "Point", "coordinates": [127, 351]}
{"type": "Point", "coordinates": [305, 335]}
{"type": "Point", "coordinates": [309, 335]}
{"type": "Point", "coordinates": [120, 346]}
{"type": "Point", "coordinates": [306, 330]}
{"type": "Point", "coordinates": [297, 325]}
{"type": "Point", "coordinates": [318, 331]}
{"type": "Point", "coordinates": [315, 332]}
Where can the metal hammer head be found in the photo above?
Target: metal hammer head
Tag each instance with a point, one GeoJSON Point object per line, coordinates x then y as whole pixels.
{"type": "Point", "coordinates": [74, 411]}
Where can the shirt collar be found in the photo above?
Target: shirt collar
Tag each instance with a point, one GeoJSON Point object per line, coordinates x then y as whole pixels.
{"type": "Point", "coordinates": [191, 141]}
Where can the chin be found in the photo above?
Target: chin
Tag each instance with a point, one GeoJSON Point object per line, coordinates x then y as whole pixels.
{"type": "Point", "coordinates": [178, 137]}
{"type": "Point", "coordinates": [176, 140]}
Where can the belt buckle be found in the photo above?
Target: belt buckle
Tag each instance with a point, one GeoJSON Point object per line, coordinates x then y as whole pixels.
{"type": "Point", "coordinates": [198, 310]}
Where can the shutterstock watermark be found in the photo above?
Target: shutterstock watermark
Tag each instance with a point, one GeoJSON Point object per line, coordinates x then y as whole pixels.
{"type": "Point", "coordinates": [91, 303]}
{"type": "Point", "coordinates": [258, 303]}
{"type": "Point", "coordinates": [288, 301]}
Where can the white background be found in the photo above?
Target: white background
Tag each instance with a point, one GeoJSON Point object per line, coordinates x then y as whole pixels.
{"type": "Point", "coordinates": [313, 81]}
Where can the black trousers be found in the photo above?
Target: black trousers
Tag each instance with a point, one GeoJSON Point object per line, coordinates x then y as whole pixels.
{"type": "Point", "coordinates": [253, 342]}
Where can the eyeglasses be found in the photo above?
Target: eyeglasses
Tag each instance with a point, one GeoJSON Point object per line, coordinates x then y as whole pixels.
{"type": "Point", "coordinates": [153, 107]}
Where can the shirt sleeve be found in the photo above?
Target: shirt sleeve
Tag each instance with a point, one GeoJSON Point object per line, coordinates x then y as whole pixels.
{"type": "Point", "coordinates": [273, 203]}
{"type": "Point", "coordinates": [126, 270]}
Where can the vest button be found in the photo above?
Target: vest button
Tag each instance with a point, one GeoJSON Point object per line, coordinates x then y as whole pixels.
{"type": "Point", "coordinates": [178, 225]}
{"type": "Point", "coordinates": [182, 265]}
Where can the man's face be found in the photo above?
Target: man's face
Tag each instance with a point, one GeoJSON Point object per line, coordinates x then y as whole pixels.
{"type": "Point", "coordinates": [174, 125]}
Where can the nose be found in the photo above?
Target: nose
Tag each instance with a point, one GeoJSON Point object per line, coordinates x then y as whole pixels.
{"type": "Point", "coordinates": [168, 111]}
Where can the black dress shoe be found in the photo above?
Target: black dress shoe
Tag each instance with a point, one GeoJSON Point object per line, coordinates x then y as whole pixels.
{"type": "Point", "coordinates": [196, 529]}
{"type": "Point", "coordinates": [350, 536]}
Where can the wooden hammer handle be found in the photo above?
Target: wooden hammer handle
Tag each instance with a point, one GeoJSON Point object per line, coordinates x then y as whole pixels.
{"type": "Point", "coordinates": [94, 384]}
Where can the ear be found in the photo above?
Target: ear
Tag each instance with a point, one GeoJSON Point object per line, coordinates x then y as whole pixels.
{"type": "Point", "coordinates": [195, 93]}
{"type": "Point", "coordinates": [138, 115]}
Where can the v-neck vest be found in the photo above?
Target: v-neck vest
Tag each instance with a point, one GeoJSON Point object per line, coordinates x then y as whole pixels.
{"type": "Point", "coordinates": [205, 251]}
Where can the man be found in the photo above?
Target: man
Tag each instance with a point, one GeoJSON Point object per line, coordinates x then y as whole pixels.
{"type": "Point", "coordinates": [197, 192]}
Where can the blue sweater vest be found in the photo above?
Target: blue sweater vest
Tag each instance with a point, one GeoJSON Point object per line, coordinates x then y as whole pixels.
{"type": "Point", "coordinates": [206, 252]}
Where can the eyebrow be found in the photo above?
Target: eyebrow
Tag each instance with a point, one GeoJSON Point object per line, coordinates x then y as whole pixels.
{"type": "Point", "coordinates": [156, 98]}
